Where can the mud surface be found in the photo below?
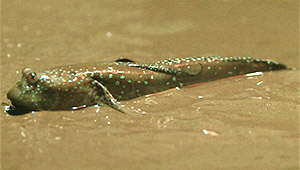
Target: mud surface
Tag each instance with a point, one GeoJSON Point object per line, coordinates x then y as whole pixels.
{"type": "Point", "coordinates": [240, 123]}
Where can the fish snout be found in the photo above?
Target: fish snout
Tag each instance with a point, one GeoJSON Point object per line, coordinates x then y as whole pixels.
{"type": "Point", "coordinates": [12, 95]}
{"type": "Point", "coordinates": [15, 97]}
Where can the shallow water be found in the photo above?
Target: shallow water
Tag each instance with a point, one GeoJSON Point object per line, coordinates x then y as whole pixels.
{"type": "Point", "coordinates": [238, 123]}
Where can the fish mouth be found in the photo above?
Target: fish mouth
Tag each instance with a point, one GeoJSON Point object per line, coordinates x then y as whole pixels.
{"type": "Point", "coordinates": [16, 110]}
{"type": "Point", "coordinates": [16, 107]}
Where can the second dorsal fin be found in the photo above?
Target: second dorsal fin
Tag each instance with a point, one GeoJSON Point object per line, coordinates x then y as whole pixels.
{"type": "Point", "coordinates": [178, 69]}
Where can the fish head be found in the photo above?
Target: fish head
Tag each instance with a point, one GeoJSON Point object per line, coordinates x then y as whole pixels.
{"type": "Point", "coordinates": [31, 92]}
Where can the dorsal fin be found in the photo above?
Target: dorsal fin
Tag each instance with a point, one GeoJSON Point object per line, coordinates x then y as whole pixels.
{"type": "Point", "coordinates": [192, 68]}
{"type": "Point", "coordinates": [125, 60]}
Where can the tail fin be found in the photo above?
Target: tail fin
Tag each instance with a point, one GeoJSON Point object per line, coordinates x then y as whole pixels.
{"type": "Point", "coordinates": [272, 65]}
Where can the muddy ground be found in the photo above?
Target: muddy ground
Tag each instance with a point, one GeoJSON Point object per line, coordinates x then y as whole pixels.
{"type": "Point", "coordinates": [240, 123]}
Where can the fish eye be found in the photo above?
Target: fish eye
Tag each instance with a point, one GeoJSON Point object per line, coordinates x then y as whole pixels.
{"type": "Point", "coordinates": [32, 75]}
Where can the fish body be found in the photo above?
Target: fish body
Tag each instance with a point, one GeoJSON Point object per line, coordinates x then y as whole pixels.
{"type": "Point", "coordinates": [106, 82]}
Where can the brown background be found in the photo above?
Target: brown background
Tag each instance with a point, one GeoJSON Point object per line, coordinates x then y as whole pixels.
{"type": "Point", "coordinates": [252, 123]}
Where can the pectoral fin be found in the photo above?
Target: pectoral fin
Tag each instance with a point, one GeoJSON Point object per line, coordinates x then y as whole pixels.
{"type": "Point", "coordinates": [101, 95]}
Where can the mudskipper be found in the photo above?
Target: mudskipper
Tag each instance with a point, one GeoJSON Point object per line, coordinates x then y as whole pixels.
{"type": "Point", "coordinates": [105, 83]}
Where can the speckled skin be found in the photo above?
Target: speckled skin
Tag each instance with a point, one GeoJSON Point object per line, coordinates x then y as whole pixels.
{"type": "Point", "coordinates": [104, 83]}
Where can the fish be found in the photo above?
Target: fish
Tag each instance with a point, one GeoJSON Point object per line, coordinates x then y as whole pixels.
{"type": "Point", "coordinates": [106, 83]}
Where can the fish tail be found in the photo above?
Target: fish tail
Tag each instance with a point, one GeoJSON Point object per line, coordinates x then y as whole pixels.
{"type": "Point", "coordinates": [269, 65]}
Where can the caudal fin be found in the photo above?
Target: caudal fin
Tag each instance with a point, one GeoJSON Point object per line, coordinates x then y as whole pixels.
{"type": "Point", "coordinates": [271, 65]}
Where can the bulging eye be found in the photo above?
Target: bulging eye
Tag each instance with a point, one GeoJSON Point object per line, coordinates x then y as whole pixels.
{"type": "Point", "coordinates": [32, 75]}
